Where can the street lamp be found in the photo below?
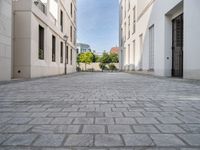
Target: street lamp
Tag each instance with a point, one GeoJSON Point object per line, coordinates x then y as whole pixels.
{"type": "Point", "coordinates": [65, 39]}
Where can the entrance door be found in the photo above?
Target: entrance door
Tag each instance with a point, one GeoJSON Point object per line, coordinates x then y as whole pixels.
{"type": "Point", "coordinates": [177, 46]}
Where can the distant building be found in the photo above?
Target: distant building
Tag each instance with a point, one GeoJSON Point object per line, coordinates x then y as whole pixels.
{"type": "Point", "coordinates": [82, 48]}
{"type": "Point", "coordinates": [114, 50]}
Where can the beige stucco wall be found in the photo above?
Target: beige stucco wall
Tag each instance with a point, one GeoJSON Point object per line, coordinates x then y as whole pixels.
{"type": "Point", "coordinates": [27, 21]}
{"type": "Point", "coordinates": [94, 66]}
{"type": "Point", "coordinates": [5, 39]}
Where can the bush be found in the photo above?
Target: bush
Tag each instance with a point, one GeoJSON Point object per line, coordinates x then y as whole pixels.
{"type": "Point", "coordinates": [102, 66]}
{"type": "Point", "coordinates": [112, 67]}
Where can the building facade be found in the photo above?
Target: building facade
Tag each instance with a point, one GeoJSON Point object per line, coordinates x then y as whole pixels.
{"type": "Point", "coordinates": [82, 48]}
{"type": "Point", "coordinates": [5, 39]}
{"type": "Point", "coordinates": [40, 43]}
{"type": "Point", "coordinates": [161, 37]}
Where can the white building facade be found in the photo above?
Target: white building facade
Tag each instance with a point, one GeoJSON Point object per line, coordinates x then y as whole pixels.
{"type": "Point", "coordinates": [41, 28]}
{"type": "Point", "coordinates": [82, 48]}
{"type": "Point", "coordinates": [160, 36]}
{"type": "Point", "coordinates": [5, 39]}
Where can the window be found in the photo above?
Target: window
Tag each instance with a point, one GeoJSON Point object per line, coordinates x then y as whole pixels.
{"type": "Point", "coordinates": [74, 37]}
{"type": "Point", "coordinates": [129, 5]}
{"type": "Point", "coordinates": [71, 33]}
{"type": "Point", "coordinates": [71, 57]}
{"type": "Point", "coordinates": [125, 10]}
{"type": "Point", "coordinates": [67, 55]}
{"type": "Point", "coordinates": [61, 52]}
{"type": "Point", "coordinates": [61, 21]}
{"type": "Point", "coordinates": [125, 32]}
{"type": "Point", "coordinates": [129, 27]}
{"type": "Point", "coordinates": [53, 48]}
{"type": "Point", "coordinates": [134, 20]}
{"type": "Point", "coordinates": [41, 43]}
{"type": "Point", "coordinates": [128, 55]}
{"type": "Point", "coordinates": [71, 10]}
{"type": "Point", "coordinates": [134, 52]}
{"type": "Point", "coordinates": [151, 48]}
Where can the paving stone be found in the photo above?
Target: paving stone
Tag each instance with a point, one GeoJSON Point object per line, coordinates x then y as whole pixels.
{"type": "Point", "coordinates": [191, 139]}
{"type": "Point", "coordinates": [147, 120]}
{"type": "Point", "coordinates": [169, 120]}
{"type": "Point", "coordinates": [133, 114]}
{"type": "Point", "coordinates": [79, 140]}
{"type": "Point", "coordinates": [114, 114]}
{"type": "Point", "coordinates": [93, 129]}
{"type": "Point", "coordinates": [191, 128]}
{"type": "Point", "coordinates": [95, 114]}
{"type": "Point", "coordinates": [108, 140]}
{"type": "Point", "coordinates": [137, 140]}
{"type": "Point", "coordinates": [41, 121]}
{"type": "Point", "coordinates": [20, 139]}
{"type": "Point", "coordinates": [62, 121]}
{"type": "Point", "coordinates": [16, 128]}
{"type": "Point", "coordinates": [77, 114]}
{"type": "Point", "coordinates": [67, 129]}
{"type": "Point", "coordinates": [104, 121]}
{"type": "Point", "coordinates": [49, 140]}
{"type": "Point", "coordinates": [170, 129]}
{"type": "Point", "coordinates": [119, 129]}
{"type": "Point", "coordinates": [127, 121]}
{"type": "Point", "coordinates": [145, 129]}
{"type": "Point", "coordinates": [83, 121]}
{"type": "Point", "coordinates": [166, 140]}
{"type": "Point", "coordinates": [44, 129]}
{"type": "Point", "coordinates": [19, 121]}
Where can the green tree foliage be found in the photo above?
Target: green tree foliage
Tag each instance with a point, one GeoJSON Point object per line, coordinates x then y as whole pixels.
{"type": "Point", "coordinates": [112, 67]}
{"type": "Point", "coordinates": [114, 58]}
{"type": "Point", "coordinates": [86, 58]}
{"type": "Point", "coordinates": [105, 58]}
{"type": "Point", "coordinates": [102, 66]}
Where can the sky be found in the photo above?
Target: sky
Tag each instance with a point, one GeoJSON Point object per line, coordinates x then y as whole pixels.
{"type": "Point", "coordinates": [97, 23]}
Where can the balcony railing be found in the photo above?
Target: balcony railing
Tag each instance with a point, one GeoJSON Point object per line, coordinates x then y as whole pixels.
{"type": "Point", "coordinates": [40, 5]}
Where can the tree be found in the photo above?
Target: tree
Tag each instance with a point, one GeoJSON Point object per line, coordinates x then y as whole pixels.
{"type": "Point", "coordinates": [102, 66]}
{"type": "Point", "coordinates": [86, 58]}
{"type": "Point", "coordinates": [105, 58]}
{"type": "Point", "coordinates": [112, 67]}
{"type": "Point", "coordinates": [114, 58]}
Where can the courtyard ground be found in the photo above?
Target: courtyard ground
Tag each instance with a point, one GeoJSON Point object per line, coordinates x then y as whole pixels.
{"type": "Point", "coordinates": [100, 111]}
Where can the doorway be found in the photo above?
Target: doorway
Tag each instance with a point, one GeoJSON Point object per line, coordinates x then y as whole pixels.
{"type": "Point", "coordinates": [177, 46]}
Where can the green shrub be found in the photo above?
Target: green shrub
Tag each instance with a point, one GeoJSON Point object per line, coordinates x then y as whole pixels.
{"type": "Point", "coordinates": [112, 67]}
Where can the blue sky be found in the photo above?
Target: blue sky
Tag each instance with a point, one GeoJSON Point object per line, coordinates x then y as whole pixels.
{"type": "Point", "coordinates": [97, 23]}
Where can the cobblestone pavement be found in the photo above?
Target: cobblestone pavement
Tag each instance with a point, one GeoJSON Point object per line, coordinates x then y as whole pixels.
{"type": "Point", "coordinates": [100, 111]}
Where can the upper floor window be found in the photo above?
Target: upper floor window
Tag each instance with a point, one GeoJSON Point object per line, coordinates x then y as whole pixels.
{"type": "Point", "coordinates": [41, 43]}
{"type": "Point", "coordinates": [71, 33]}
{"type": "Point", "coordinates": [61, 52]}
{"type": "Point", "coordinates": [53, 48]}
{"type": "Point", "coordinates": [61, 21]}
{"type": "Point", "coordinates": [71, 10]}
{"type": "Point", "coordinates": [134, 20]}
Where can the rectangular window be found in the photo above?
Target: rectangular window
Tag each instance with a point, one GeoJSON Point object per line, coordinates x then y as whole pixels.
{"type": "Point", "coordinates": [53, 48]}
{"type": "Point", "coordinates": [71, 10]}
{"type": "Point", "coordinates": [67, 55]}
{"type": "Point", "coordinates": [134, 52]}
{"type": "Point", "coordinates": [128, 54]}
{"type": "Point", "coordinates": [61, 52]}
{"type": "Point", "coordinates": [134, 20]}
{"type": "Point", "coordinates": [41, 43]}
{"type": "Point", "coordinates": [61, 21]}
{"type": "Point", "coordinates": [125, 9]}
{"type": "Point", "coordinates": [71, 33]}
{"type": "Point", "coordinates": [151, 48]}
{"type": "Point", "coordinates": [71, 56]}
{"type": "Point", "coordinates": [124, 32]}
{"type": "Point", "coordinates": [129, 20]}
